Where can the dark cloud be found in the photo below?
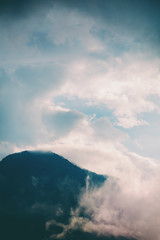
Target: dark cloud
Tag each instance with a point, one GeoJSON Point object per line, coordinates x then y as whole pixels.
{"type": "Point", "coordinates": [18, 8]}
{"type": "Point", "coordinates": [117, 9]}
{"type": "Point", "coordinates": [140, 18]}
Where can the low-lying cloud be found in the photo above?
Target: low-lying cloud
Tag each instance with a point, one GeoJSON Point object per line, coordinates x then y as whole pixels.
{"type": "Point", "coordinates": [126, 205]}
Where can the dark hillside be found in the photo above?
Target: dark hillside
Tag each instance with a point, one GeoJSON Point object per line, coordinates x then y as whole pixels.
{"type": "Point", "coordinates": [36, 187]}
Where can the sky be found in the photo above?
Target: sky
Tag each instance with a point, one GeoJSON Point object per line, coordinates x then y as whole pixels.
{"type": "Point", "coordinates": [82, 79]}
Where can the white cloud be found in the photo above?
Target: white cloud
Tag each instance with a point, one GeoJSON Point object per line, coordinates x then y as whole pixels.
{"type": "Point", "coordinates": [124, 85]}
{"type": "Point", "coordinates": [103, 129]}
{"type": "Point", "coordinates": [126, 205]}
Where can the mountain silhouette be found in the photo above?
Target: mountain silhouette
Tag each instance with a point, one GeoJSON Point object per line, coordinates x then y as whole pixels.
{"type": "Point", "coordinates": [38, 187]}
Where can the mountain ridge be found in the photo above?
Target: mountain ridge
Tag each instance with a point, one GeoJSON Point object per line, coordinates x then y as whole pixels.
{"type": "Point", "coordinates": [37, 187]}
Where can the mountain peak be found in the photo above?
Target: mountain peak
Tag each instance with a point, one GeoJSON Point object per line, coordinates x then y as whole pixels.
{"type": "Point", "coordinates": [37, 187]}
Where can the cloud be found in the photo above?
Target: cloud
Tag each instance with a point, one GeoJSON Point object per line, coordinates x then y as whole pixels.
{"type": "Point", "coordinates": [95, 52]}
{"type": "Point", "coordinates": [116, 79]}
{"type": "Point", "coordinates": [103, 129]}
{"type": "Point", "coordinates": [126, 205]}
{"type": "Point", "coordinates": [17, 115]}
{"type": "Point", "coordinates": [32, 77]}
{"type": "Point", "coordinates": [138, 18]}
{"type": "Point", "coordinates": [64, 53]}
{"type": "Point", "coordinates": [6, 148]}
{"type": "Point", "coordinates": [63, 121]}
{"type": "Point", "coordinates": [121, 13]}
{"type": "Point", "coordinates": [123, 85]}
{"type": "Point", "coordinates": [37, 80]}
{"type": "Point", "coordinates": [20, 9]}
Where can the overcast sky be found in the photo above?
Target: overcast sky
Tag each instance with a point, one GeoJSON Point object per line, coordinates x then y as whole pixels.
{"type": "Point", "coordinates": [82, 79]}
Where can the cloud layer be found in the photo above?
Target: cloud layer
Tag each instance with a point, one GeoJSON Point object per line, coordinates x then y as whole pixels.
{"type": "Point", "coordinates": [126, 206]}
{"type": "Point", "coordinates": [82, 79]}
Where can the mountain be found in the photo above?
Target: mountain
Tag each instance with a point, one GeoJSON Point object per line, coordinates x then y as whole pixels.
{"type": "Point", "coordinates": [38, 187]}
